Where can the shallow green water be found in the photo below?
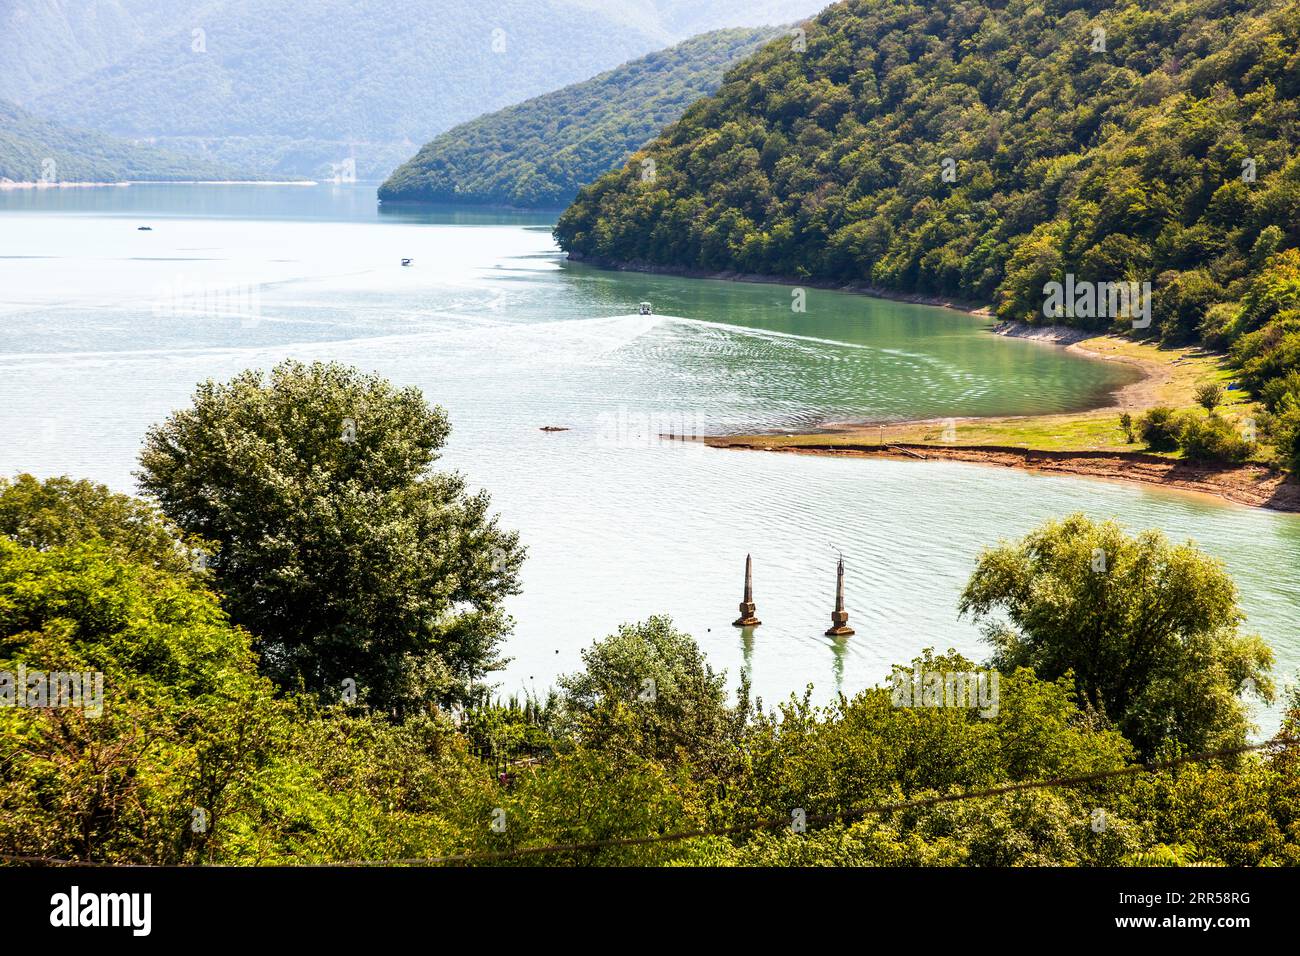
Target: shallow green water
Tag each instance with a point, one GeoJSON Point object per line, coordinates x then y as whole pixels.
{"type": "Point", "coordinates": [107, 328]}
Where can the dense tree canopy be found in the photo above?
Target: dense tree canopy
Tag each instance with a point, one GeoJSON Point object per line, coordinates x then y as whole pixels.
{"type": "Point", "coordinates": [982, 150]}
{"type": "Point", "coordinates": [1147, 630]}
{"type": "Point", "coordinates": [60, 511]}
{"type": "Point", "coordinates": [338, 547]}
{"type": "Point", "coordinates": [193, 757]}
{"type": "Point", "coordinates": [183, 721]}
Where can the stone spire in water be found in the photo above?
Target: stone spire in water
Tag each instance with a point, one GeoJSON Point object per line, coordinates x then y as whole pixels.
{"type": "Point", "coordinates": [839, 617]}
{"type": "Point", "coordinates": [747, 618]}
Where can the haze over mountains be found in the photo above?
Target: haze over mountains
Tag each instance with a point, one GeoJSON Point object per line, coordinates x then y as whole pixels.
{"type": "Point", "coordinates": [35, 150]}
{"type": "Point", "coordinates": [539, 152]}
{"type": "Point", "coordinates": [302, 87]}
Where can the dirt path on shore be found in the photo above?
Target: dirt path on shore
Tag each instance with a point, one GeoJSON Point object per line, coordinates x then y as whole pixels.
{"type": "Point", "coordinates": [1143, 393]}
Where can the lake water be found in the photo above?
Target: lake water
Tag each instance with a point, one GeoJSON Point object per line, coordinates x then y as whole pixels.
{"type": "Point", "coordinates": [106, 329]}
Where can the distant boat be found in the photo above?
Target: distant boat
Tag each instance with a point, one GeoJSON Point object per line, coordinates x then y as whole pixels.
{"type": "Point", "coordinates": [644, 309]}
{"type": "Point", "coordinates": [144, 228]}
{"type": "Point", "coordinates": [553, 428]}
{"type": "Point", "coordinates": [407, 262]}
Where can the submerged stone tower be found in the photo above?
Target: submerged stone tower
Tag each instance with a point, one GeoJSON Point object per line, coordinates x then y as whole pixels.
{"type": "Point", "coordinates": [747, 618]}
{"type": "Point", "coordinates": [839, 617]}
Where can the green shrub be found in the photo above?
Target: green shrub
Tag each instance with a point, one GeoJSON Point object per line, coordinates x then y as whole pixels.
{"type": "Point", "coordinates": [1214, 439]}
{"type": "Point", "coordinates": [1209, 395]}
{"type": "Point", "coordinates": [1159, 428]}
{"type": "Point", "coordinates": [1182, 302]}
{"type": "Point", "coordinates": [1219, 327]}
{"type": "Point", "coordinates": [1269, 352]}
{"type": "Point", "coordinates": [1284, 430]}
{"type": "Point", "coordinates": [1280, 393]}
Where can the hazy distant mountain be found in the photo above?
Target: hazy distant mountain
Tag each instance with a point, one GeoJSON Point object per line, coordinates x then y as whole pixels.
{"type": "Point", "coordinates": [541, 151]}
{"type": "Point", "coordinates": [33, 149]}
{"type": "Point", "coordinates": [46, 44]}
{"type": "Point", "coordinates": [298, 85]}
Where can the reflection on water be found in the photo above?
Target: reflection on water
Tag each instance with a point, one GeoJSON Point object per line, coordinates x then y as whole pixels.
{"type": "Point", "coordinates": [106, 329]}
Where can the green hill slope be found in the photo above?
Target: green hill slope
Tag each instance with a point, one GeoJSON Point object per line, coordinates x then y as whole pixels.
{"type": "Point", "coordinates": [988, 150]}
{"type": "Point", "coordinates": [539, 152]}
{"type": "Point", "coordinates": [46, 44]}
{"type": "Point", "coordinates": [33, 149]}
{"type": "Point", "coordinates": [1128, 162]}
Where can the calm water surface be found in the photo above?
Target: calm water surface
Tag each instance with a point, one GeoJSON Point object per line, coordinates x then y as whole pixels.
{"type": "Point", "coordinates": [106, 329]}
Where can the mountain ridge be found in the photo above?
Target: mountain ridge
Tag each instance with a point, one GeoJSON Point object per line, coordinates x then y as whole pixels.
{"type": "Point", "coordinates": [297, 87]}
{"type": "Point", "coordinates": [538, 152]}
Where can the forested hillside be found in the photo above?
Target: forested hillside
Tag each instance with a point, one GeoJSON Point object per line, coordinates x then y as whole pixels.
{"type": "Point", "coordinates": [34, 150]}
{"type": "Point", "coordinates": [301, 86]}
{"type": "Point", "coordinates": [540, 152]}
{"type": "Point", "coordinates": [983, 150]}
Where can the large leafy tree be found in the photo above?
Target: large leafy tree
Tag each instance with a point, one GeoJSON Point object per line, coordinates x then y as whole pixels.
{"type": "Point", "coordinates": [1148, 629]}
{"type": "Point", "coordinates": [338, 546]}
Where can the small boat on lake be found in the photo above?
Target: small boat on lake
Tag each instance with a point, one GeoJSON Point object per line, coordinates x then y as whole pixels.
{"type": "Point", "coordinates": [644, 309]}
{"type": "Point", "coordinates": [407, 262]}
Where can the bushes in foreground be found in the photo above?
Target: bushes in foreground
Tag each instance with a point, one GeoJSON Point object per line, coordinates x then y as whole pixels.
{"type": "Point", "coordinates": [199, 758]}
{"type": "Point", "coordinates": [1106, 649]}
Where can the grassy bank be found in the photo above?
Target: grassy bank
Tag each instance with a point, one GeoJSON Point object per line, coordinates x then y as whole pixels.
{"type": "Point", "coordinates": [1091, 443]}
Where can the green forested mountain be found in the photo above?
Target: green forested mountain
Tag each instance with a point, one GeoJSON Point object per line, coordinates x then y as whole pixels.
{"type": "Point", "coordinates": [33, 149]}
{"type": "Point", "coordinates": [539, 152]}
{"type": "Point", "coordinates": [1151, 140]}
{"type": "Point", "coordinates": [295, 86]}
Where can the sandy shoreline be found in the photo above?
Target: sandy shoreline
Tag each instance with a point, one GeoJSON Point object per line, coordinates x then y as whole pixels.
{"type": "Point", "coordinates": [1252, 485]}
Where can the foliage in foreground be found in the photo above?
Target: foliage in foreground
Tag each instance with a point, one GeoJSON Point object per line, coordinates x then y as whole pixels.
{"type": "Point", "coordinates": [1148, 630]}
{"type": "Point", "coordinates": [199, 757]}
